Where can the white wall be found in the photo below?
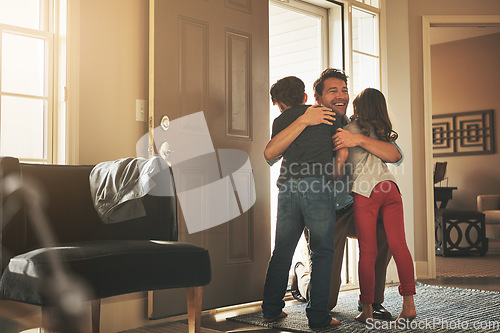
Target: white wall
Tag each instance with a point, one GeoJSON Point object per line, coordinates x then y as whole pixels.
{"type": "Point", "coordinates": [395, 71]}
{"type": "Point", "coordinates": [112, 52]}
{"type": "Point", "coordinates": [113, 74]}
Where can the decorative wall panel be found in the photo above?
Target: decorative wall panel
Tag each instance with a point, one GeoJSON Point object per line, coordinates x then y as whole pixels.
{"type": "Point", "coordinates": [241, 5]}
{"type": "Point", "coordinates": [240, 229]}
{"type": "Point", "coordinates": [238, 83]}
{"type": "Point", "coordinates": [193, 58]}
{"type": "Point", "coordinates": [467, 133]}
{"type": "Point", "coordinates": [188, 178]}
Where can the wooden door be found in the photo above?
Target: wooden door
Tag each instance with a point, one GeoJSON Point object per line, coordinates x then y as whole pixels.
{"type": "Point", "coordinates": [212, 56]}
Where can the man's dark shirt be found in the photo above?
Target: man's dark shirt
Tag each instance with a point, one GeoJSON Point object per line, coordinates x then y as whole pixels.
{"type": "Point", "coordinates": [311, 153]}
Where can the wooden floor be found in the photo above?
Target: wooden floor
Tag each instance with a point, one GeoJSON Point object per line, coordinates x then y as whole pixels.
{"type": "Point", "coordinates": [463, 272]}
{"type": "Point", "coordinates": [468, 272]}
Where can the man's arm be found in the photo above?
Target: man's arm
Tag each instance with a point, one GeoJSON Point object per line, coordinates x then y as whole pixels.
{"type": "Point", "coordinates": [314, 115]}
{"type": "Point", "coordinates": [340, 158]}
{"type": "Point", "coordinates": [384, 150]}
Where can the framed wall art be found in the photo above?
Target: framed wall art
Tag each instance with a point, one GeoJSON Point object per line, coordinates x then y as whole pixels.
{"type": "Point", "coordinates": [466, 133]}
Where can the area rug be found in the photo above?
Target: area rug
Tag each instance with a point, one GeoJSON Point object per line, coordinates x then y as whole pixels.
{"type": "Point", "coordinates": [173, 327]}
{"type": "Point", "coordinates": [439, 309]}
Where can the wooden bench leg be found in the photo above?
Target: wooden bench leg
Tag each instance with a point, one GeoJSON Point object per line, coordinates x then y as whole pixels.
{"type": "Point", "coordinates": [95, 306]}
{"type": "Point", "coordinates": [46, 319]}
{"type": "Point", "coordinates": [48, 312]}
{"type": "Point", "coordinates": [194, 299]}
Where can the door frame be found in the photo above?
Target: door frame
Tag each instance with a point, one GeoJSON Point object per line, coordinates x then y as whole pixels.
{"type": "Point", "coordinates": [429, 21]}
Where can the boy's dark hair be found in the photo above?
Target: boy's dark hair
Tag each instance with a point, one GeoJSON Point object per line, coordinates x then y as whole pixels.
{"type": "Point", "coordinates": [319, 84]}
{"type": "Point", "coordinates": [289, 90]}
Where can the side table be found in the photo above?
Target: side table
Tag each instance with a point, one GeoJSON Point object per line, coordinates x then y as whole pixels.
{"type": "Point", "coordinates": [460, 232]}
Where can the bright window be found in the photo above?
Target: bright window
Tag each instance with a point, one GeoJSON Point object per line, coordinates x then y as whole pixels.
{"type": "Point", "coordinates": [297, 51]}
{"type": "Point", "coordinates": [22, 13]}
{"type": "Point", "coordinates": [373, 3]}
{"type": "Point", "coordinates": [365, 51]}
{"type": "Point", "coordinates": [364, 72]}
{"type": "Point", "coordinates": [296, 48]}
{"type": "Point", "coordinates": [32, 61]}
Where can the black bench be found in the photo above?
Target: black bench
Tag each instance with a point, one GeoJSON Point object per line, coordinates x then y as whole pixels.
{"type": "Point", "coordinates": [87, 258]}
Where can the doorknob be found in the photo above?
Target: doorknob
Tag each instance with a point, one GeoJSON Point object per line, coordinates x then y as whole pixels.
{"type": "Point", "coordinates": [165, 123]}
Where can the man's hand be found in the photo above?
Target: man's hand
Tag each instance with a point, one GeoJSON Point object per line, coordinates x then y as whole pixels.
{"type": "Point", "coordinates": [346, 139]}
{"type": "Point", "coordinates": [314, 115]}
{"type": "Point", "coordinates": [318, 114]}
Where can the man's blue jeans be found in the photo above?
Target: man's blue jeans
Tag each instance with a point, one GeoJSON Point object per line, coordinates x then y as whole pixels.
{"type": "Point", "coordinates": [308, 202]}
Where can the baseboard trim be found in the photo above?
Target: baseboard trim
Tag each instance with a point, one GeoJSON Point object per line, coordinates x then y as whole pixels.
{"type": "Point", "coordinates": [422, 270]}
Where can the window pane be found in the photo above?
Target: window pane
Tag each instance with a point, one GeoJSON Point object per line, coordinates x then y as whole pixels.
{"type": "Point", "coordinates": [22, 127]}
{"type": "Point", "coordinates": [23, 63]}
{"type": "Point", "coordinates": [22, 13]}
{"type": "Point", "coordinates": [364, 32]}
{"type": "Point", "coordinates": [365, 73]}
{"type": "Point", "coordinates": [295, 47]}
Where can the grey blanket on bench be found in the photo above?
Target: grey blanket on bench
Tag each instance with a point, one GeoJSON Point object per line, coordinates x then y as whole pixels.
{"type": "Point", "coordinates": [118, 186]}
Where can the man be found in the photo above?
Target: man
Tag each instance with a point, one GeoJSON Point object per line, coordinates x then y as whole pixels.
{"type": "Point", "coordinates": [306, 200]}
{"type": "Point", "coordinates": [330, 90]}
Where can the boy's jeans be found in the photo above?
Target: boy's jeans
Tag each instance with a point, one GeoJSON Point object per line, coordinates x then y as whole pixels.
{"type": "Point", "coordinates": [303, 202]}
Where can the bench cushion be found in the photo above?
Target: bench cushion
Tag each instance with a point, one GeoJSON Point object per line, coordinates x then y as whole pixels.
{"type": "Point", "coordinates": [114, 267]}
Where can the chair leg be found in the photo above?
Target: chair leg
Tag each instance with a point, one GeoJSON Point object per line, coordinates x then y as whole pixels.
{"type": "Point", "coordinates": [194, 299]}
{"type": "Point", "coordinates": [95, 306]}
{"type": "Point", "coordinates": [46, 319]}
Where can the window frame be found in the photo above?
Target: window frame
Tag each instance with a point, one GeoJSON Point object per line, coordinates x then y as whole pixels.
{"type": "Point", "coordinates": [352, 280]}
{"type": "Point", "coordinates": [54, 85]}
{"type": "Point", "coordinates": [377, 12]}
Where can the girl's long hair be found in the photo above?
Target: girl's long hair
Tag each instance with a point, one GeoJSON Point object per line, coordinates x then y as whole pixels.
{"type": "Point", "coordinates": [370, 108]}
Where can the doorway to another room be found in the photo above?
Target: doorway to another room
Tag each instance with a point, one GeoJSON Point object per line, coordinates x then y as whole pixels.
{"type": "Point", "coordinates": [459, 46]}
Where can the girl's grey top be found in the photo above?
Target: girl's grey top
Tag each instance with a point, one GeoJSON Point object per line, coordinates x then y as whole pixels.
{"type": "Point", "coordinates": [367, 169]}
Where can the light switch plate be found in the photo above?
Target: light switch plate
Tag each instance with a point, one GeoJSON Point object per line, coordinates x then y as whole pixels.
{"type": "Point", "coordinates": [141, 109]}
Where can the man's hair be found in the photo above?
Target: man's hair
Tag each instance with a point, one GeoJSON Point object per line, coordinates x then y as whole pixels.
{"type": "Point", "coordinates": [370, 107]}
{"type": "Point", "coordinates": [319, 84]}
{"type": "Point", "coordinates": [289, 90]}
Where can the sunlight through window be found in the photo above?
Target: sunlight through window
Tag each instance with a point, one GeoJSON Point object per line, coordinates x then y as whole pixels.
{"type": "Point", "coordinates": [295, 48]}
{"type": "Point", "coordinates": [28, 76]}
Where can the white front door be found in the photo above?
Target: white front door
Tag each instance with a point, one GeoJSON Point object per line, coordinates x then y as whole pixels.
{"type": "Point", "coordinates": [212, 56]}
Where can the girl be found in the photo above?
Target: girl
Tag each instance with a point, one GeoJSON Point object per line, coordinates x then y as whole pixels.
{"type": "Point", "coordinates": [376, 194]}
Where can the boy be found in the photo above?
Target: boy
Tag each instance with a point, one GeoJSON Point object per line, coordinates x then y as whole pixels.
{"type": "Point", "coordinates": [305, 199]}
